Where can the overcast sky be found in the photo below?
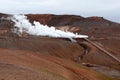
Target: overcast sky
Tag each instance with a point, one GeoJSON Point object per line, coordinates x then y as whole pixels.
{"type": "Point", "coordinates": [109, 9]}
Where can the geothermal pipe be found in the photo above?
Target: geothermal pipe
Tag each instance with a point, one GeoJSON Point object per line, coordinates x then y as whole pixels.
{"type": "Point", "coordinates": [103, 50]}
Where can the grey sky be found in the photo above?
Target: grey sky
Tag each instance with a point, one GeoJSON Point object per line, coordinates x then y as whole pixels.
{"type": "Point", "coordinates": [109, 9]}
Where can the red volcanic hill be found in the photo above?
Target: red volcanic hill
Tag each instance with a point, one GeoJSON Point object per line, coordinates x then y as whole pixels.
{"type": "Point", "coordinates": [68, 20]}
{"type": "Point", "coordinates": [45, 58]}
{"type": "Point", "coordinates": [90, 25]}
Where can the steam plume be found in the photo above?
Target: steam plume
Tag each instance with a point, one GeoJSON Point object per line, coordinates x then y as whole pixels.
{"type": "Point", "coordinates": [23, 25]}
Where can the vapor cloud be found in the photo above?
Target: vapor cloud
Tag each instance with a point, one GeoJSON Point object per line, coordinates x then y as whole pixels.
{"type": "Point", "coordinates": [24, 26]}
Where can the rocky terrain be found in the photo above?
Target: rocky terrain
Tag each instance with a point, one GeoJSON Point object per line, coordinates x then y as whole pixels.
{"type": "Point", "coordinates": [45, 58]}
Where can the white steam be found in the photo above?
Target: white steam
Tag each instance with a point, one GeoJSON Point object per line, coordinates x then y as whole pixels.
{"type": "Point", "coordinates": [23, 25]}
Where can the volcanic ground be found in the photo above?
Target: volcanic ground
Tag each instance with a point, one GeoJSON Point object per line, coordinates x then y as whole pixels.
{"type": "Point", "coordinates": [46, 58]}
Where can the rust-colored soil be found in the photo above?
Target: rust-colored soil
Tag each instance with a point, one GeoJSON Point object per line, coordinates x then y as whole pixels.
{"type": "Point", "coordinates": [26, 65]}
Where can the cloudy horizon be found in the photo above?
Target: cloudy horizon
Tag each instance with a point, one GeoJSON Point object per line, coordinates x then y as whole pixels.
{"type": "Point", "coordinates": [108, 9]}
